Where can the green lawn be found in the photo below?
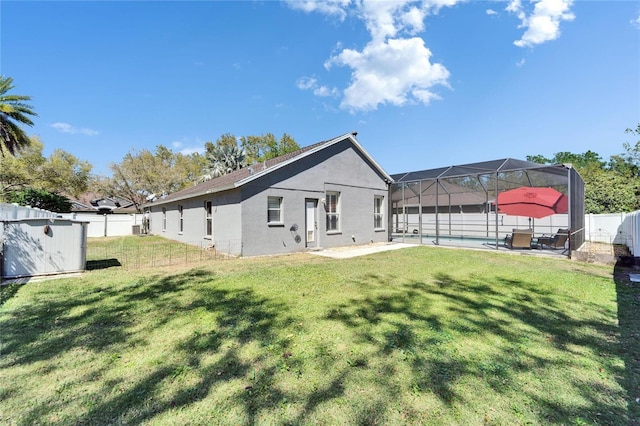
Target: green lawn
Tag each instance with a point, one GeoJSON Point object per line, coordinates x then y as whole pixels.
{"type": "Point", "coordinates": [416, 336]}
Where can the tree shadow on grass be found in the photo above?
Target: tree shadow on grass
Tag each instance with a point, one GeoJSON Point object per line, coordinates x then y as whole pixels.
{"type": "Point", "coordinates": [512, 322]}
{"type": "Point", "coordinates": [240, 348]}
{"type": "Point", "coordinates": [628, 299]}
{"type": "Point", "coordinates": [212, 357]}
{"type": "Point", "coordinates": [8, 291]}
{"type": "Point", "coordinates": [93, 265]}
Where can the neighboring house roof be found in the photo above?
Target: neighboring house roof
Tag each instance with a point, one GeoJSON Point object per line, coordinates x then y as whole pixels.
{"type": "Point", "coordinates": [93, 202]}
{"type": "Point", "coordinates": [247, 174]}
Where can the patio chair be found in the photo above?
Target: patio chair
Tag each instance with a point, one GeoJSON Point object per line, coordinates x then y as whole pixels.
{"type": "Point", "coordinates": [519, 238]}
{"type": "Point", "coordinates": [556, 241]}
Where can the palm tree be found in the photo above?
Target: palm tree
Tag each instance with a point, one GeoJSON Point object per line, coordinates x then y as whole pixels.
{"type": "Point", "coordinates": [224, 159]}
{"type": "Point", "coordinates": [13, 112]}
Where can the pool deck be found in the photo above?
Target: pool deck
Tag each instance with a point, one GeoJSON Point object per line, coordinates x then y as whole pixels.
{"type": "Point", "coordinates": [363, 250]}
{"type": "Point", "coordinates": [477, 244]}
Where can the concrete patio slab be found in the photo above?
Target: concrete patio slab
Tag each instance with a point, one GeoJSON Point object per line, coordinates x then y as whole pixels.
{"type": "Point", "coordinates": [355, 251]}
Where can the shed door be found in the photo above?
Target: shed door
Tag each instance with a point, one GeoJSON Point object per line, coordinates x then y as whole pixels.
{"type": "Point", "coordinates": [311, 223]}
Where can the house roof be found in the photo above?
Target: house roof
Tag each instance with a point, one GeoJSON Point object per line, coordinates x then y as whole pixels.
{"type": "Point", "coordinates": [240, 177]}
{"type": "Point", "coordinates": [93, 202]}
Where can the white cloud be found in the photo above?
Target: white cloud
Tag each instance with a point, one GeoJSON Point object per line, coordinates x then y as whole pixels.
{"type": "Point", "coordinates": [520, 63]}
{"type": "Point", "coordinates": [324, 91]}
{"type": "Point", "coordinates": [636, 22]}
{"type": "Point", "coordinates": [68, 128]}
{"type": "Point", "coordinates": [328, 7]}
{"type": "Point", "coordinates": [180, 148]}
{"type": "Point", "coordinates": [395, 66]}
{"type": "Point", "coordinates": [192, 150]}
{"type": "Point", "coordinates": [491, 12]}
{"type": "Point", "coordinates": [543, 24]}
{"type": "Point", "coordinates": [311, 83]}
{"type": "Point", "coordinates": [396, 71]}
{"type": "Point", "coordinates": [306, 83]}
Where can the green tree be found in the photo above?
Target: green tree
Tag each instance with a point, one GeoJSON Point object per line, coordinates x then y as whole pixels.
{"type": "Point", "coordinates": [265, 147]}
{"type": "Point", "coordinates": [610, 187]}
{"type": "Point", "coordinates": [60, 173]}
{"type": "Point", "coordinates": [228, 154]}
{"type": "Point", "coordinates": [588, 159]}
{"type": "Point", "coordinates": [143, 175]}
{"type": "Point", "coordinates": [42, 199]}
{"type": "Point", "coordinates": [628, 163]}
{"type": "Point", "coordinates": [223, 159]}
{"type": "Point", "coordinates": [13, 113]}
{"type": "Point", "coordinates": [609, 192]}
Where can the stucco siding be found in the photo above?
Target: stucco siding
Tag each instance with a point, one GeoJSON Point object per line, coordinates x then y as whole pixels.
{"type": "Point", "coordinates": [243, 218]}
{"type": "Point", "coordinates": [339, 168]}
{"type": "Point", "coordinates": [226, 225]}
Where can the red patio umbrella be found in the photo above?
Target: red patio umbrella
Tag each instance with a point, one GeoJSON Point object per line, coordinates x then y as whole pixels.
{"type": "Point", "coordinates": [532, 202]}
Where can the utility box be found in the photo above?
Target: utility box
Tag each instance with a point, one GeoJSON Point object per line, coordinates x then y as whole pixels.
{"type": "Point", "coordinates": [135, 229]}
{"type": "Point", "coordinates": [41, 246]}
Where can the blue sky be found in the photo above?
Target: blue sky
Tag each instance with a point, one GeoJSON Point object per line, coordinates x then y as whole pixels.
{"type": "Point", "coordinates": [425, 83]}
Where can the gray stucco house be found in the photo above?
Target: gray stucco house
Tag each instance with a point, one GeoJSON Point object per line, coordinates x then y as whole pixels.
{"type": "Point", "coordinates": [329, 194]}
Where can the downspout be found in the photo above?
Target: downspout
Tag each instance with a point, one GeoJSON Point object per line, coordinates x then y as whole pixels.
{"type": "Point", "coordinates": [437, 205]}
{"type": "Point", "coordinates": [420, 210]}
{"type": "Point", "coordinates": [496, 212]}
{"type": "Point", "coordinates": [487, 209]}
{"type": "Point", "coordinates": [404, 214]}
{"type": "Point", "coordinates": [569, 210]}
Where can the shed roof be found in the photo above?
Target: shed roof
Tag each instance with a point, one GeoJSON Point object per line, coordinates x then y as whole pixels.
{"type": "Point", "coordinates": [240, 177]}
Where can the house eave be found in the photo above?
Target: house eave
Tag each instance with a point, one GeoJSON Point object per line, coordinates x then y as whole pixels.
{"type": "Point", "coordinates": [189, 196]}
{"type": "Point", "coordinates": [256, 175]}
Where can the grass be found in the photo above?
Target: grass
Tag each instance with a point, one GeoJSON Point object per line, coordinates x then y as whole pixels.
{"type": "Point", "coordinates": [417, 336]}
{"type": "Point", "coordinates": [144, 252]}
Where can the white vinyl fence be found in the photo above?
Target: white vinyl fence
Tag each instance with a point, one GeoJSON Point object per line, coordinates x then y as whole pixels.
{"type": "Point", "coordinates": [110, 225]}
{"type": "Point", "coordinates": [15, 212]}
{"type": "Point", "coordinates": [613, 228]}
{"type": "Point", "coordinates": [608, 228]}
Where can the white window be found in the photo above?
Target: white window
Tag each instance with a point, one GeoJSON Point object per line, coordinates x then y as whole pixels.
{"type": "Point", "coordinates": [274, 210]}
{"type": "Point", "coordinates": [378, 212]}
{"type": "Point", "coordinates": [333, 211]}
{"type": "Point", "coordinates": [181, 219]}
{"type": "Point", "coordinates": [208, 218]}
{"type": "Point", "coordinates": [164, 219]}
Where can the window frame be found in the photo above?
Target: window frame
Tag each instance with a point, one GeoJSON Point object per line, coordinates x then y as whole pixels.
{"type": "Point", "coordinates": [180, 219]}
{"type": "Point", "coordinates": [336, 213]}
{"type": "Point", "coordinates": [378, 213]}
{"type": "Point", "coordinates": [279, 209]}
{"type": "Point", "coordinates": [164, 219]}
{"type": "Point", "coordinates": [208, 219]}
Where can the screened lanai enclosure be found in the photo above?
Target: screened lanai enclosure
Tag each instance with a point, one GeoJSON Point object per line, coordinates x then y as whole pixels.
{"type": "Point", "coordinates": [461, 205]}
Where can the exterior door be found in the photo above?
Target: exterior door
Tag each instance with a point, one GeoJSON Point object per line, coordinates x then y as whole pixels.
{"type": "Point", "coordinates": [311, 223]}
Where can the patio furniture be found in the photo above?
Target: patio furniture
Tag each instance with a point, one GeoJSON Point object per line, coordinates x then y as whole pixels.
{"type": "Point", "coordinates": [519, 238]}
{"type": "Point", "coordinates": [556, 241]}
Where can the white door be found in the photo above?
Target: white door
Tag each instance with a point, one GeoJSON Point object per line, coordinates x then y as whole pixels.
{"type": "Point", "coordinates": [310, 228]}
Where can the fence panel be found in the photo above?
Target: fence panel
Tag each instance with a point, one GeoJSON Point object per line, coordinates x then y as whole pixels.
{"type": "Point", "coordinates": [13, 211]}
{"type": "Point", "coordinates": [109, 225]}
{"type": "Point", "coordinates": [139, 256]}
